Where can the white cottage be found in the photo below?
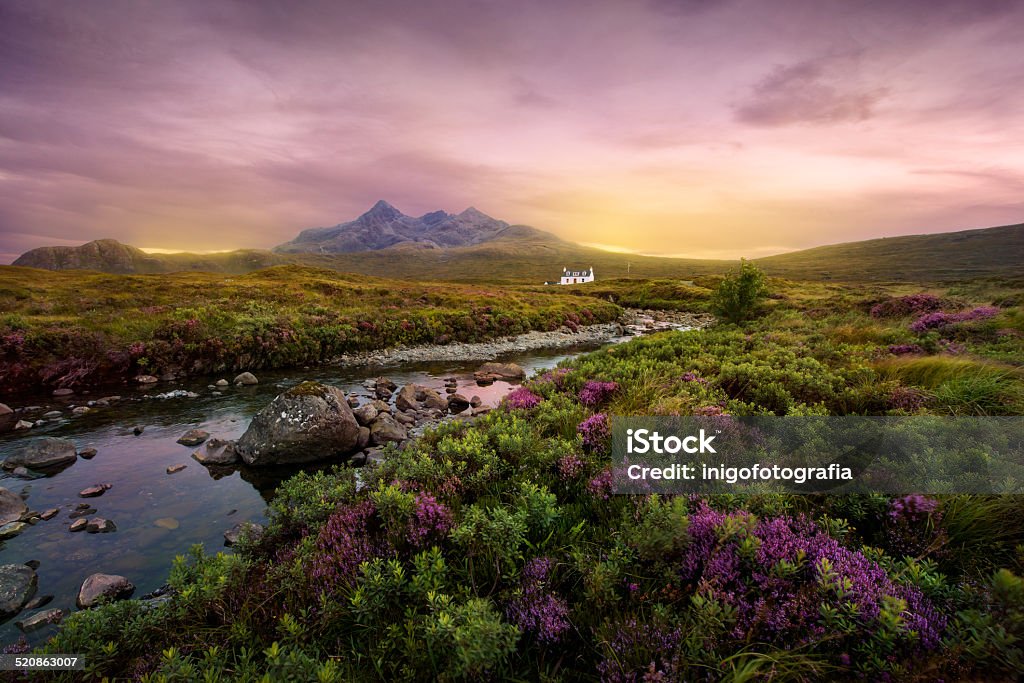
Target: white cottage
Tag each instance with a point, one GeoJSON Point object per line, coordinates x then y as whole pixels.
{"type": "Point", "coordinates": [576, 277]}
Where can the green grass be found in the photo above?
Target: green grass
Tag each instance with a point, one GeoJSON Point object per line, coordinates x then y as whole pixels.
{"type": "Point", "coordinates": [527, 256]}
{"type": "Point", "coordinates": [80, 327]}
{"type": "Point", "coordinates": [962, 386]}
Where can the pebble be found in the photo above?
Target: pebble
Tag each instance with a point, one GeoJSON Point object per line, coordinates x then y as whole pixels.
{"type": "Point", "coordinates": [94, 491]}
{"type": "Point", "coordinates": [78, 525]}
{"type": "Point", "coordinates": [98, 525]}
{"type": "Point", "coordinates": [11, 530]}
{"type": "Point", "coordinates": [173, 469]}
{"type": "Point", "coordinates": [87, 453]}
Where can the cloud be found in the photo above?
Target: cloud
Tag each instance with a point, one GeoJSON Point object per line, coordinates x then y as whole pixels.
{"type": "Point", "coordinates": [814, 92]}
{"type": "Point", "coordinates": [659, 125]}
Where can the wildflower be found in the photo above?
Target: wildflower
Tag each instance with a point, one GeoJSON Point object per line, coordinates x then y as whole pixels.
{"type": "Point", "coordinates": [641, 651]}
{"type": "Point", "coordinates": [908, 399]}
{"type": "Point", "coordinates": [913, 507]}
{"type": "Point", "coordinates": [601, 486]}
{"type": "Point", "coordinates": [430, 521]}
{"type": "Point", "coordinates": [344, 542]}
{"type": "Point", "coordinates": [595, 393]}
{"type": "Point", "coordinates": [913, 304]}
{"type": "Point", "coordinates": [570, 466]}
{"type": "Point", "coordinates": [521, 398]}
{"type": "Point", "coordinates": [595, 431]}
{"type": "Point", "coordinates": [536, 608]}
{"type": "Point", "coordinates": [940, 319]}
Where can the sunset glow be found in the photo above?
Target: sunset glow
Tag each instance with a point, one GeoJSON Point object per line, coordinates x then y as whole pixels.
{"type": "Point", "coordinates": [689, 127]}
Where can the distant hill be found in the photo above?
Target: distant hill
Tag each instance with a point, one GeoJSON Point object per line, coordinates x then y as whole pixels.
{"type": "Point", "coordinates": [111, 256]}
{"type": "Point", "coordinates": [520, 254]}
{"type": "Point", "coordinates": [384, 226]}
{"type": "Point", "coordinates": [939, 256]}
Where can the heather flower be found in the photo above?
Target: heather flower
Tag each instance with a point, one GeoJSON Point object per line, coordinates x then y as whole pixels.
{"type": "Point", "coordinates": [784, 606]}
{"type": "Point", "coordinates": [932, 321]}
{"type": "Point", "coordinates": [344, 542]}
{"type": "Point", "coordinates": [641, 651]}
{"type": "Point", "coordinates": [536, 609]}
{"type": "Point", "coordinates": [908, 399]}
{"type": "Point", "coordinates": [601, 485]}
{"type": "Point", "coordinates": [556, 377]}
{"type": "Point", "coordinates": [694, 377]}
{"type": "Point", "coordinates": [912, 304]}
{"type": "Point", "coordinates": [521, 398]}
{"type": "Point", "coordinates": [979, 313]}
{"type": "Point", "coordinates": [595, 393]}
{"type": "Point", "coordinates": [430, 521]}
{"type": "Point", "coordinates": [570, 467]}
{"type": "Point", "coordinates": [914, 507]}
{"type": "Point", "coordinates": [907, 530]}
{"type": "Point", "coordinates": [952, 348]}
{"type": "Point", "coordinates": [13, 341]}
{"type": "Point", "coordinates": [595, 431]}
{"type": "Point", "coordinates": [941, 319]}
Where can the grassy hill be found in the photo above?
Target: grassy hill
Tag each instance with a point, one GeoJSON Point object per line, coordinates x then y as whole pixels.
{"type": "Point", "coordinates": [943, 256]}
{"type": "Point", "coordinates": [523, 255]}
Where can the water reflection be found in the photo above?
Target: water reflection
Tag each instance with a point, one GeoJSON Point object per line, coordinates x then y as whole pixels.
{"type": "Point", "coordinates": [160, 515]}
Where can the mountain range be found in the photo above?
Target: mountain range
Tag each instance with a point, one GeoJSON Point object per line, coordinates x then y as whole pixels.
{"type": "Point", "coordinates": [384, 226]}
{"type": "Point", "coordinates": [472, 246]}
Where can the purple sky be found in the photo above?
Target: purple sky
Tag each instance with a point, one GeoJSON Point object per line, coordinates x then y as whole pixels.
{"type": "Point", "coordinates": [690, 127]}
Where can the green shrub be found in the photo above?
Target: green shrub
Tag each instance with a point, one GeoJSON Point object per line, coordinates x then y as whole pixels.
{"type": "Point", "coordinates": [738, 296]}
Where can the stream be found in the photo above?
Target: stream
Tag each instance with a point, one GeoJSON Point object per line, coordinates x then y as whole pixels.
{"type": "Point", "coordinates": [160, 515]}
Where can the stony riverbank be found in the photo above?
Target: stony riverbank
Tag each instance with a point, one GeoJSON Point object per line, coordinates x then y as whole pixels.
{"type": "Point", "coordinates": [632, 322]}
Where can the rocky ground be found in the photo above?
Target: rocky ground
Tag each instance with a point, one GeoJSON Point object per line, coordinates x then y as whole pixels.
{"type": "Point", "coordinates": [632, 322]}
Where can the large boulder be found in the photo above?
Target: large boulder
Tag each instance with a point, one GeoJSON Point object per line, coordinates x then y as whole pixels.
{"type": "Point", "coordinates": [500, 371]}
{"type": "Point", "coordinates": [43, 453]}
{"type": "Point", "coordinates": [12, 507]}
{"type": "Point", "coordinates": [406, 398]}
{"type": "Point", "coordinates": [385, 429]}
{"type": "Point", "coordinates": [309, 422]}
{"type": "Point", "coordinates": [413, 397]}
{"type": "Point", "coordinates": [365, 414]}
{"type": "Point", "coordinates": [457, 403]}
{"type": "Point", "coordinates": [97, 586]}
{"type": "Point", "coordinates": [17, 586]}
{"type": "Point", "coordinates": [434, 400]}
{"type": "Point", "coordinates": [246, 378]}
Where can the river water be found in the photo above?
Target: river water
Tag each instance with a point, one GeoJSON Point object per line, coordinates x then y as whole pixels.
{"type": "Point", "coordinates": [160, 515]}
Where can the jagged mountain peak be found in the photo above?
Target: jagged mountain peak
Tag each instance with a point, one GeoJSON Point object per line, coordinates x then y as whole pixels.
{"type": "Point", "coordinates": [383, 209]}
{"type": "Point", "coordinates": [384, 226]}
